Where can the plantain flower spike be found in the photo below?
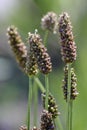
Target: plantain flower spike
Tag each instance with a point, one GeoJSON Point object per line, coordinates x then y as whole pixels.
{"type": "Point", "coordinates": [40, 53]}
{"type": "Point", "coordinates": [65, 82]}
{"type": "Point", "coordinates": [68, 47]}
{"type": "Point", "coordinates": [50, 22]}
{"type": "Point", "coordinates": [46, 121]}
{"type": "Point", "coordinates": [74, 92]}
{"type": "Point", "coordinates": [31, 64]}
{"type": "Point", "coordinates": [52, 105]}
{"type": "Point", "coordinates": [17, 46]}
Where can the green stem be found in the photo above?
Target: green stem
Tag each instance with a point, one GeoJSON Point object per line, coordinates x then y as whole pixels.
{"type": "Point", "coordinates": [68, 96]}
{"type": "Point", "coordinates": [45, 37]}
{"type": "Point", "coordinates": [40, 85]}
{"type": "Point", "coordinates": [29, 102]}
{"type": "Point", "coordinates": [35, 90]}
{"type": "Point", "coordinates": [47, 91]}
{"type": "Point", "coordinates": [71, 111]}
{"type": "Point", "coordinates": [58, 123]}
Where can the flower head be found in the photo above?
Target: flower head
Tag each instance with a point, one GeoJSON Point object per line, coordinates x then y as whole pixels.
{"type": "Point", "coordinates": [65, 82]}
{"type": "Point", "coordinates": [52, 106]}
{"type": "Point", "coordinates": [40, 53]}
{"type": "Point", "coordinates": [68, 47]}
{"type": "Point", "coordinates": [46, 121]}
{"type": "Point", "coordinates": [31, 64]}
{"type": "Point", "coordinates": [74, 92]}
{"type": "Point", "coordinates": [17, 46]}
{"type": "Point", "coordinates": [49, 22]}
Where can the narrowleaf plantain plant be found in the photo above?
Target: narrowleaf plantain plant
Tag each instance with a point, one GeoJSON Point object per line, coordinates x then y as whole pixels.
{"type": "Point", "coordinates": [34, 59]}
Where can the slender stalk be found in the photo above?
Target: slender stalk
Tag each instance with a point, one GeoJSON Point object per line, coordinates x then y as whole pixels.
{"type": "Point", "coordinates": [68, 97]}
{"type": "Point", "coordinates": [47, 91]}
{"type": "Point", "coordinates": [35, 90]}
{"type": "Point", "coordinates": [29, 102]}
{"type": "Point", "coordinates": [45, 37]}
{"type": "Point", "coordinates": [58, 123]}
{"type": "Point", "coordinates": [71, 111]}
{"type": "Point", "coordinates": [46, 76]}
{"type": "Point", "coordinates": [39, 84]}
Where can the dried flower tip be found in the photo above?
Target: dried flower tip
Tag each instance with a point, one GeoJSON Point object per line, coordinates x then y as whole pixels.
{"type": "Point", "coordinates": [52, 106]}
{"type": "Point", "coordinates": [40, 52]}
{"type": "Point", "coordinates": [50, 22]}
{"type": "Point", "coordinates": [17, 46]}
{"type": "Point", "coordinates": [68, 47]}
{"type": "Point", "coordinates": [74, 92]}
{"type": "Point", "coordinates": [65, 82]}
{"type": "Point", "coordinates": [46, 121]}
{"type": "Point", "coordinates": [23, 128]}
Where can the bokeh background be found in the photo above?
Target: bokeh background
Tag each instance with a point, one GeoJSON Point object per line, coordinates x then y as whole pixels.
{"type": "Point", "coordinates": [26, 15]}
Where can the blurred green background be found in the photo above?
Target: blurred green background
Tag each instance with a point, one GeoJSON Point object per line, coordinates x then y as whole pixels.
{"type": "Point", "coordinates": [26, 15]}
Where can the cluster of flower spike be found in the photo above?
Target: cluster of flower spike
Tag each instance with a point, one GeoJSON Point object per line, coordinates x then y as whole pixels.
{"type": "Point", "coordinates": [73, 88]}
{"type": "Point", "coordinates": [32, 59]}
{"type": "Point", "coordinates": [52, 105]}
{"type": "Point", "coordinates": [46, 121]}
{"type": "Point", "coordinates": [18, 46]}
{"type": "Point", "coordinates": [40, 52]}
{"type": "Point", "coordinates": [68, 47]}
{"type": "Point", "coordinates": [36, 58]}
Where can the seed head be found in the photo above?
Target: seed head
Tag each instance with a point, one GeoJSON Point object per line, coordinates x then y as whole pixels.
{"type": "Point", "coordinates": [46, 121]}
{"type": "Point", "coordinates": [31, 64]}
{"type": "Point", "coordinates": [52, 106]}
{"type": "Point", "coordinates": [74, 92]}
{"type": "Point", "coordinates": [17, 46]}
{"type": "Point", "coordinates": [50, 22]}
{"type": "Point", "coordinates": [65, 82]}
{"type": "Point", "coordinates": [40, 52]}
{"type": "Point", "coordinates": [68, 47]}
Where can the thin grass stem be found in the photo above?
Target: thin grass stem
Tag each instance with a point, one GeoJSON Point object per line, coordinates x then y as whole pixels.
{"type": "Point", "coordinates": [39, 84]}
{"type": "Point", "coordinates": [58, 123]}
{"type": "Point", "coordinates": [47, 91]}
{"type": "Point", "coordinates": [45, 37]}
{"type": "Point", "coordinates": [68, 96]}
{"type": "Point", "coordinates": [29, 102]}
{"type": "Point", "coordinates": [35, 91]}
{"type": "Point", "coordinates": [71, 112]}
